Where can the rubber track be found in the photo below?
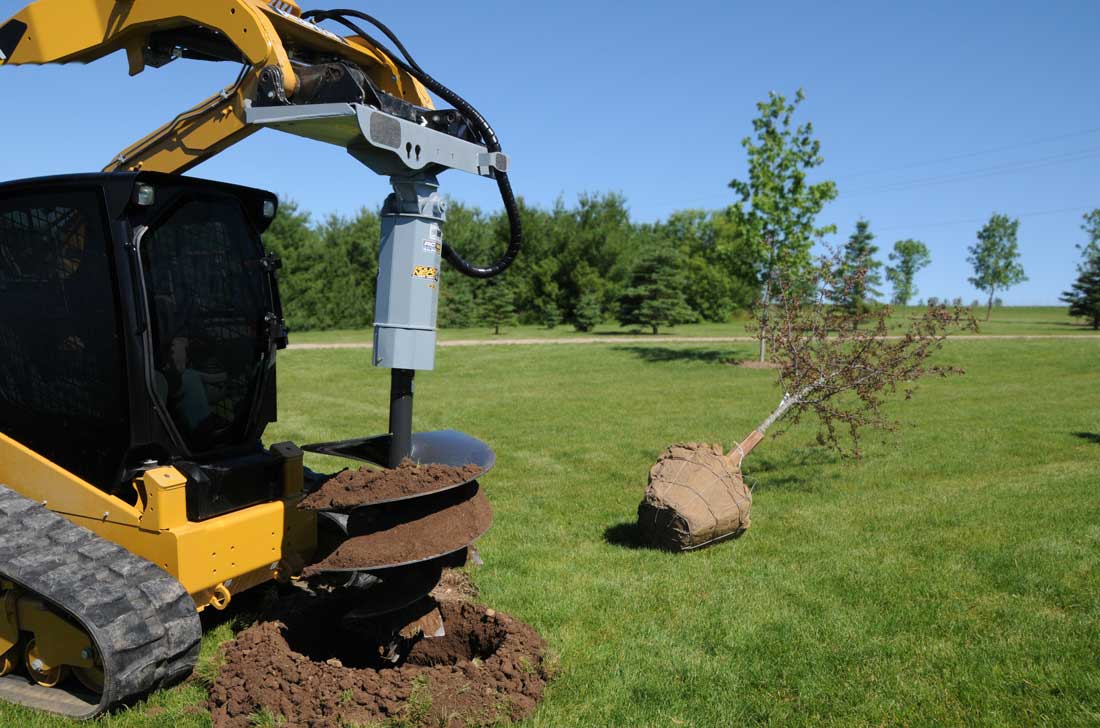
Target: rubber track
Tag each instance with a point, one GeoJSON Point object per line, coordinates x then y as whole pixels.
{"type": "Point", "coordinates": [141, 620]}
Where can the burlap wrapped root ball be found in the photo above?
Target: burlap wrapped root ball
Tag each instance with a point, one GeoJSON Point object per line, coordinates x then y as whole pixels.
{"type": "Point", "coordinates": [695, 497]}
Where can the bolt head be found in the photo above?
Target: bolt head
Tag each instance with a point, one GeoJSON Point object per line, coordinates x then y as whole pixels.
{"type": "Point", "coordinates": [86, 653]}
{"type": "Point", "coordinates": [37, 665]}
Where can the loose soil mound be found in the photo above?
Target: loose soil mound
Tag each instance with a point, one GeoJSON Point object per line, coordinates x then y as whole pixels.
{"type": "Point", "coordinates": [352, 488]}
{"type": "Point", "coordinates": [487, 669]}
{"type": "Point", "coordinates": [456, 524]}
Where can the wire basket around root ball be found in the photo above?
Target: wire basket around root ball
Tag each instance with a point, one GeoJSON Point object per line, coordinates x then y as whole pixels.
{"type": "Point", "coordinates": [696, 496]}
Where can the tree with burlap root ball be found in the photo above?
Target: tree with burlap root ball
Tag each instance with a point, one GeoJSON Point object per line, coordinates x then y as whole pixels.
{"type": "Point", "coordinates": [835, 365]}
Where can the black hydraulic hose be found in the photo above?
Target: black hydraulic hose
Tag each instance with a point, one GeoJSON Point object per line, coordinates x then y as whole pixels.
{"type": "Point", "coordinates": [479, 123]}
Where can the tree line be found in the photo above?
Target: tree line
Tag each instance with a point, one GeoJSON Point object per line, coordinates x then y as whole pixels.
{"type": "Point", "coordinates": [587, 263]}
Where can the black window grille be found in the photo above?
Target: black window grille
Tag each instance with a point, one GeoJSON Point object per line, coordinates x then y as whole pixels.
{"type": "Point", "coordinates": [207, 298]}
{"type": "Point", "coordinates": [62, 380]}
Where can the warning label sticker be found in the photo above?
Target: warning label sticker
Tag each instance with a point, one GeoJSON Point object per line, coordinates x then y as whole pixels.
{"type": "Point", "coordinates": [435, 232]}
{"type": "Point", "coordinates": [426, 271]}
{"type": "Point", "coordinates": [431, 246]}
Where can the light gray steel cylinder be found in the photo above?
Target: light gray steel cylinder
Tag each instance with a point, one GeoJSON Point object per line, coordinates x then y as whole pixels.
{"type": "Point", "coordinates": [407, 297]}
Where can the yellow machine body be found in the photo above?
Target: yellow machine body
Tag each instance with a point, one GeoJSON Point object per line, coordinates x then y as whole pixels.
{"type": "Point", "coordinates": [212, 559]}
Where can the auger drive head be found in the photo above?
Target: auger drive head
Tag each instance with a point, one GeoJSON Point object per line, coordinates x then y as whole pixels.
{"type": "Point", "coordinates": [140, 319]}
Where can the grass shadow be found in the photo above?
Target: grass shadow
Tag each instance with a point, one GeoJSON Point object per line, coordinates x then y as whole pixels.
{"type": "Point", "coordinates": [663, 354]}
{"type": "Point", "coordinates": [1093, 437]}
{"type": "Point", "coordinates": [628, 535]}
{"type": "Point", "coordinates": [804, 470]}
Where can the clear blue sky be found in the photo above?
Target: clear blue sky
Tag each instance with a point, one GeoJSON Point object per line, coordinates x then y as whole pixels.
{"type": "Point", "coordinates": [931, 117]}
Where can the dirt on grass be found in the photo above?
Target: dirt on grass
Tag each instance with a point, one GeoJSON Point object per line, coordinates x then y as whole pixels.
{"type": "Point", "coordinates": [755, 364]}
{"type": "Point", "coordinates": [305, 669]}
{"type": "Point", "coordinates": [353, 488]}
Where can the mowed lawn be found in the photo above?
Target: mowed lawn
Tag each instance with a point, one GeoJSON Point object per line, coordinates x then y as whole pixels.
{"type": "Point", "coordinates": [1004, 321]}
{"type": "Point", "coordinates": [951, 577]}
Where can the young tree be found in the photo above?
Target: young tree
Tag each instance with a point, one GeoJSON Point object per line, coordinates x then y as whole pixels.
{"type": "Point", "coordinates": [497, 304]}
{"type": "Point", "coordinates": [858, 254]}
{"type": "Point", "coordinates": [588, 307]}
{"type": "Point", "coordinates": [1084, 296]}
{"type": "Point", "coordinates": [996, 258]}
{"type": "Point", "coordinates": [908, 256]}
{"type": "Point", "coordinates": [588, 311]}
{"type": "Point", "coordinates": [655, 296]}
{"type": "Point", "coordinates": [697, 494]}
{"type": "Point", "coordinates": [778, 206]}
{"type": "Point", "coordinates": [1091, 248]}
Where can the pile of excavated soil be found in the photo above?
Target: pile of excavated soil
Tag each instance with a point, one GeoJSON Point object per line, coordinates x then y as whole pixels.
{"type": "Point", "coordinates": [310, 672]}
{"type": "Point", "coordinates": [445, 526]}
{"type": "Point", "coordinates": [352, 488]}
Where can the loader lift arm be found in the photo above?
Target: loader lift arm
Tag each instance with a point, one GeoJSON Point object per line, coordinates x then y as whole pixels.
{"type": "Point", "coordinates": [287, 61]}
{"type": "Point", "coordinates": [270, 40]}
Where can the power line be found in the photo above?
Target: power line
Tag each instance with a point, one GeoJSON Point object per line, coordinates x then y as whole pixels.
{"type": "Point", "coordinates": [969, 155]}
{"type": "Point", "coordinates": [973, 220]}
{"type": "Point", "coordinates": [972, 174]}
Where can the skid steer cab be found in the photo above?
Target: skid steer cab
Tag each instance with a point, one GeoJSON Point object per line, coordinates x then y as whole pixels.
{"type": "Point", "coordinates": [139, 320]}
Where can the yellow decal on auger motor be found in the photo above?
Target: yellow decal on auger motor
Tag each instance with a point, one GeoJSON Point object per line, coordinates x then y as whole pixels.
{"type": "Point", "coordinates": [426, 271]}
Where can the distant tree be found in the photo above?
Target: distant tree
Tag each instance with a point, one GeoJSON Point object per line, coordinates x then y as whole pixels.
{"type": "Point", "coordinates": [655, 296]}
{"type": "Point", "coordinates": [1084, 296]}
{"type": "Point", "coordinates": [997, 302]}
{"type": "Point", "coordinates": [588, 311]}
{"type": "Point", "coordinates": [996, 258]}
{"type": "Point", "coordinates": [550, 314]}
{"type": "Point", "coordinates": [588, 306]}
{"type": "Point", "coordinates": [933, 301]}
{"type": "Point", "coordinates": [908, 256]}
{"type": "Point", "coordinates": [497, 304]}
{"type": "Point", "coordinates": [1091, 247]}
{"type": "Point", "coordinates": [858, 254]}
{"type": "Point", "coordinates": [457, 307]}
{"type": "Point", "coordinates": [778, 207]}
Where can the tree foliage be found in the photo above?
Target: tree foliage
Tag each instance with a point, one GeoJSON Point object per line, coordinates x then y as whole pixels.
{"type": "Point", "coordinates": [908, 257]}
{"type": "Point", "coordinates": [1091, 247]}
{"type": "Point", "coordinates": [1083, 296]}
{"type": "Point", "coordinates": [996, 258]}
{"type": "Point", "coordinates": [655, 296]}
{"type": "Point", "coordinates": [575, 266]}
{"type": "Point", "coordinates": [841, 372]}
{"type": "Point", "coordinates": [497, 306]}
{"type": "Point", "coordinates": [858, 254]}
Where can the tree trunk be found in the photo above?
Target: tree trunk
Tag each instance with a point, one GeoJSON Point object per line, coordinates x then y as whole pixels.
{"type": "Point", "coordinates": [745, 446]}
{"type": "Point", "coordinates": [496, 330]}
{"type": "Point", "coordinates": [654, 330]}
{"type": "Point", "coordinates": [989, 307]}
{"type": "Point", "coordinates": [765, 299]}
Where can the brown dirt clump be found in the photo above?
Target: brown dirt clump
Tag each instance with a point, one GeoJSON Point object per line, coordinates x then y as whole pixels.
{"type": "Point", "coordinates": [353, 488]}
{"type": "Point", "coordinates": [303, 669]}
{"type": "Point", "coordinates": [455, 584]}
{"type": "Point", "coordinates": [756, 364]}
{"type": "Point", "coordinates": [444, 526]}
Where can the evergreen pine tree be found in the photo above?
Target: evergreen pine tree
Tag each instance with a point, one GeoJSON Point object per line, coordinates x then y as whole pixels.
{"type": "Point", "coordinates": [497, 304]}
{"type": "Point", "coordinates": [1084, 296]}
{"type": "Point", "coordinates": [655, 296]}
{"type": "Point", "coordinates": [550, 314]}
{"type": "Point", "coordinates": [859, 254]}
{"type": "Point", "coordinates": [588, 311]}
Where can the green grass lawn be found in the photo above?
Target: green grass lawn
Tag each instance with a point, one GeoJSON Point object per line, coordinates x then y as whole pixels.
{"type": "Point", "coordinates": [951, 577]}
{"type": "Point", "coordinates": [1014, 320]}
